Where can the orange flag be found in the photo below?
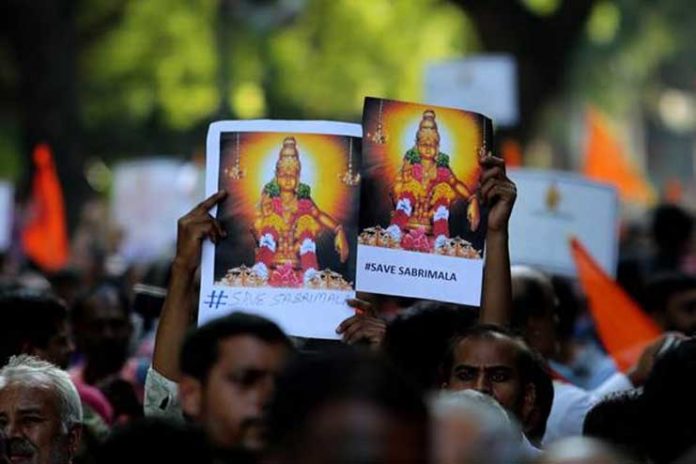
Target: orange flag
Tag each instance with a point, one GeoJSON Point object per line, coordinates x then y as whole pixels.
{"type": "Point", "coordinates": [512, 153]}
{"type": "Point", "coordinates": [45, 237]}
{"type": "Point", "coordinates": [622, 326]}
{"type": "Point", "coordinates": [605, 160]}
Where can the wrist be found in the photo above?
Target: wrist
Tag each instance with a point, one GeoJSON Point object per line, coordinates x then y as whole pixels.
{"type": "Point", "coordinates": [183, 267]}
{"type": "Point", "coordinates": [500, 234]}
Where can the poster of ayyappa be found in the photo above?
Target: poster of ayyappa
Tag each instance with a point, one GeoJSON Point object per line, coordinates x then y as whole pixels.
{"type": "Point", "coordinates": [422, 228]}
{"type": "Point", "coordinates": [291, 222]}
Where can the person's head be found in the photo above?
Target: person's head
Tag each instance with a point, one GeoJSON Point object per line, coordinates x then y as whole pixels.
{"type": "Point", "coordinates": [347, 406]}
{"type": "Point", "coordinates": [492, 361]}
{"type": "Point", "coordinates": [288, 165]}
{"type": "Point", "coordinates": [40, 412]}
{"type": "Point", "coordinates": [428, 142]}
{"type": "Point", "coordinates": [470, 427]}
{"type": "Point", "coordinates": [102, 325]}
{"type": "Point", "coordinates": [671, 300]}
{"type": "Point", "coordinates": [669, 404]}
{"type": "Point", "coordinates": [618, 420]}
{"type": "Point", "coordinates": [671, 229]}
{"type": "Point", "coordinates": [229, 368]}
{"type": "Point", "coordinates": [418, 338]}
{"type": "Point", "coordinates": [149, 441]}
{"type": "Point", "coordinates": [534, 310]}
{"type": "Point", "coordinates": [34, 323]}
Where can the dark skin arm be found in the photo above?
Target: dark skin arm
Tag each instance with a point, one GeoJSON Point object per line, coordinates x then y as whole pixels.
{"type": "Point", "coordinates": [364, 326]}
{"type": "Point", "coordinates": [179, 305]}
{"type": "Point", "coordinates": [498, 192]}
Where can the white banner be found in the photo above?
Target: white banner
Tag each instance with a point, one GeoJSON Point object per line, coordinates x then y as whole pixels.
{"type": "Point", "coordinates": [6, 213]}
{"type": "Point", "coordinates": [552, 207]}
{"type": "Point", "coordinates": [486, 84]}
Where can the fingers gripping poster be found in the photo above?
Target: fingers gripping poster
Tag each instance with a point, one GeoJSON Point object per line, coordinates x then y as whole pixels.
{"type": "Point", "coordinates": [291, 217]}
{"type": "Point", "coordinates": [422, 228]}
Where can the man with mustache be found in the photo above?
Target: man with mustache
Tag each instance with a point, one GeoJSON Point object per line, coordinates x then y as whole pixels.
{"type": "Point", "coordinates": [40, 412]}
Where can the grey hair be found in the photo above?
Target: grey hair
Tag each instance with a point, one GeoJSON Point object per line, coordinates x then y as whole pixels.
{"type": "Point", "coordinates": [499, 432]}
{"type": "Point", "coordinates": [32, 371]}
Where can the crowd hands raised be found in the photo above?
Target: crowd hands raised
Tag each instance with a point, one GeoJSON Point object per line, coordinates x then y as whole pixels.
{"type": "Point", "coordinates": [522, 379]}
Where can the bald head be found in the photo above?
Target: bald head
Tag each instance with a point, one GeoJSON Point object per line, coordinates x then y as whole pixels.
{"type": "Point", "coordinates": [534, 309]}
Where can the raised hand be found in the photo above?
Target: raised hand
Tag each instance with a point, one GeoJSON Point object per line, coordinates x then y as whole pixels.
{"type": "Point", "coordinates": [497, 191]}
{"type": "Point", "coordinates": [365, 325]}
{"type": "Point", "coordinates": [195, 226]}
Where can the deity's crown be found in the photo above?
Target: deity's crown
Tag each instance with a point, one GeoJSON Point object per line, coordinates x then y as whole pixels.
{"type": "Point", "coordinates": [288, 158]}
{"type": "Point", "coordinates": [427, 129]}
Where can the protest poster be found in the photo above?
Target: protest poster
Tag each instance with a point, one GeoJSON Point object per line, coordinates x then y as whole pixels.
{"type": "Point", "coordinates": [149, 196]}
{"type": "Point", "coordinates": [554, 206]}
{"type": "Point", "coordinates": [291, 217]}
{"type": "Point", "coordinates": [422, 229]}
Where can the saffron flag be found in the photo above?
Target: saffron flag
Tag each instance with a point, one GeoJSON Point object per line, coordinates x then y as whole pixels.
{"type": "Point", "coordinates": [605, 160]}
{"type": "Point", "coordinates": [625, 330]}
{"type": "Point", "coordinates": [44, 236]}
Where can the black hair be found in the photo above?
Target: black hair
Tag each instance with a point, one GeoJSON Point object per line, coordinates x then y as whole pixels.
{"type": "Point", "coordinates": [671, 227]}
{"type": "Point", "coordinates": [669, 404]}
{"type": "Point", "coordinates": [78, 311]}
{"type": "Point", "coordinates": [534, 297]}
{"type": "Point", "coordinates": [28, 317]}
{"type": "Point", "coordinates": [526, 360]}
{"type": "Point", "coordinates": [417, 339]}
{"type": "Point", "coordinates": [344, 374]}
{"type": "Point", "coordinates": [617, 420]}
{"type": "Point", "coordinates": [154, 440]}
{"type": "Point", "coordinates": [200, 350]}
{"type": "Point", "coordinates": [662, 287]}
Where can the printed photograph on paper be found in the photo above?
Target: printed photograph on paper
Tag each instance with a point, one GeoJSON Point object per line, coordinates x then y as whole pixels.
{"type": "Point", "coordinates": [291, 218]}
{"type": "Point", "coordinates": [421, 224]}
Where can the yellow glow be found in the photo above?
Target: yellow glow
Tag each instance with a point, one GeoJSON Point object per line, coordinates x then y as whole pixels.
{"type": "Point", "coordinates": [323, 159]}
{"type": "Point", "coordinates": [460, 137]}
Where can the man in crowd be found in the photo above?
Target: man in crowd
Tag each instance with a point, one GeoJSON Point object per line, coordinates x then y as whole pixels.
{"type": "Point", "coordinates": [535, 318]}
{"type": "Point", "coordinates": [40, 412]}
{"type": "Point", "coordinates": [671, 300]}
{"type": "Point", "coordinates": [221, 375]}
{"type": "Point", "coordinates": [492, 361]}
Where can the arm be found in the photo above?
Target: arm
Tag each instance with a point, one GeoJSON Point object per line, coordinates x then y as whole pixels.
{"type": "Point", "coordinates": [340, 242]}
{"type": "Point", "coordinates": [499, 193]}
{"type": "Point", "coordinates": [179, 305]}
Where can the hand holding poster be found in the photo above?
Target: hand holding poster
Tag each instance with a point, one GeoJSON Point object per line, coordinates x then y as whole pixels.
{"type": "Point", "coordinates": [291, 222]}
{"type": "Point", "coordinates": [554, 206]}
{"type": "Point", "coordinates": [422, 229]}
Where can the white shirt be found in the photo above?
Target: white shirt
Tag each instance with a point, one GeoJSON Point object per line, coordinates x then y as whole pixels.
{"type": "Point", "coordinates": [571, 404]}
{"type": "Point", "coordinates": [161, 397]}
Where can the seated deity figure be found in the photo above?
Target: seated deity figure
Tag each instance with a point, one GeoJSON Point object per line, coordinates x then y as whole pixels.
{"type": "Point", "coordinates": [288, 221]}
{"type": "Point", "coordinates": [426, 187]}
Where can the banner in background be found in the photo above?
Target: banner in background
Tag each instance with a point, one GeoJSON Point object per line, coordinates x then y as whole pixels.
{"type": "Point", "coordinates": [552, 207]}
{"type": "Point", "coordinates": [149, 196]}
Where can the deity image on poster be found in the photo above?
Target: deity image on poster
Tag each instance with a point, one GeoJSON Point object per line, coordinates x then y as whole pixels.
{"type": "Point", "coordinates": [290, 210]}
{"type": "Point", "coordinates": [421, 179]}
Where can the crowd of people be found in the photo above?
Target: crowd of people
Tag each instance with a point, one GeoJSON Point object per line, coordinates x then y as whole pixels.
{"type": "Point", "coordinates": [99, 370]}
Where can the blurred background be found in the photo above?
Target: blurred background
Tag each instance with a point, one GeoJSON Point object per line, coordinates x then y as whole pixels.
{"type": "Point", "coordinates": [115, 88]}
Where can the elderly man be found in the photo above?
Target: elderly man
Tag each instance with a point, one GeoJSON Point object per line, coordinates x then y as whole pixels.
{"type": "Point", "coordinates": [40, 412]}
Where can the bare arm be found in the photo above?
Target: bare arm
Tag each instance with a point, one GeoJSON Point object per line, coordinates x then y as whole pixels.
{"type": "Point", "coordinates": [178, 306]}
{"type": "Point", "coordinates": [499, 193]}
